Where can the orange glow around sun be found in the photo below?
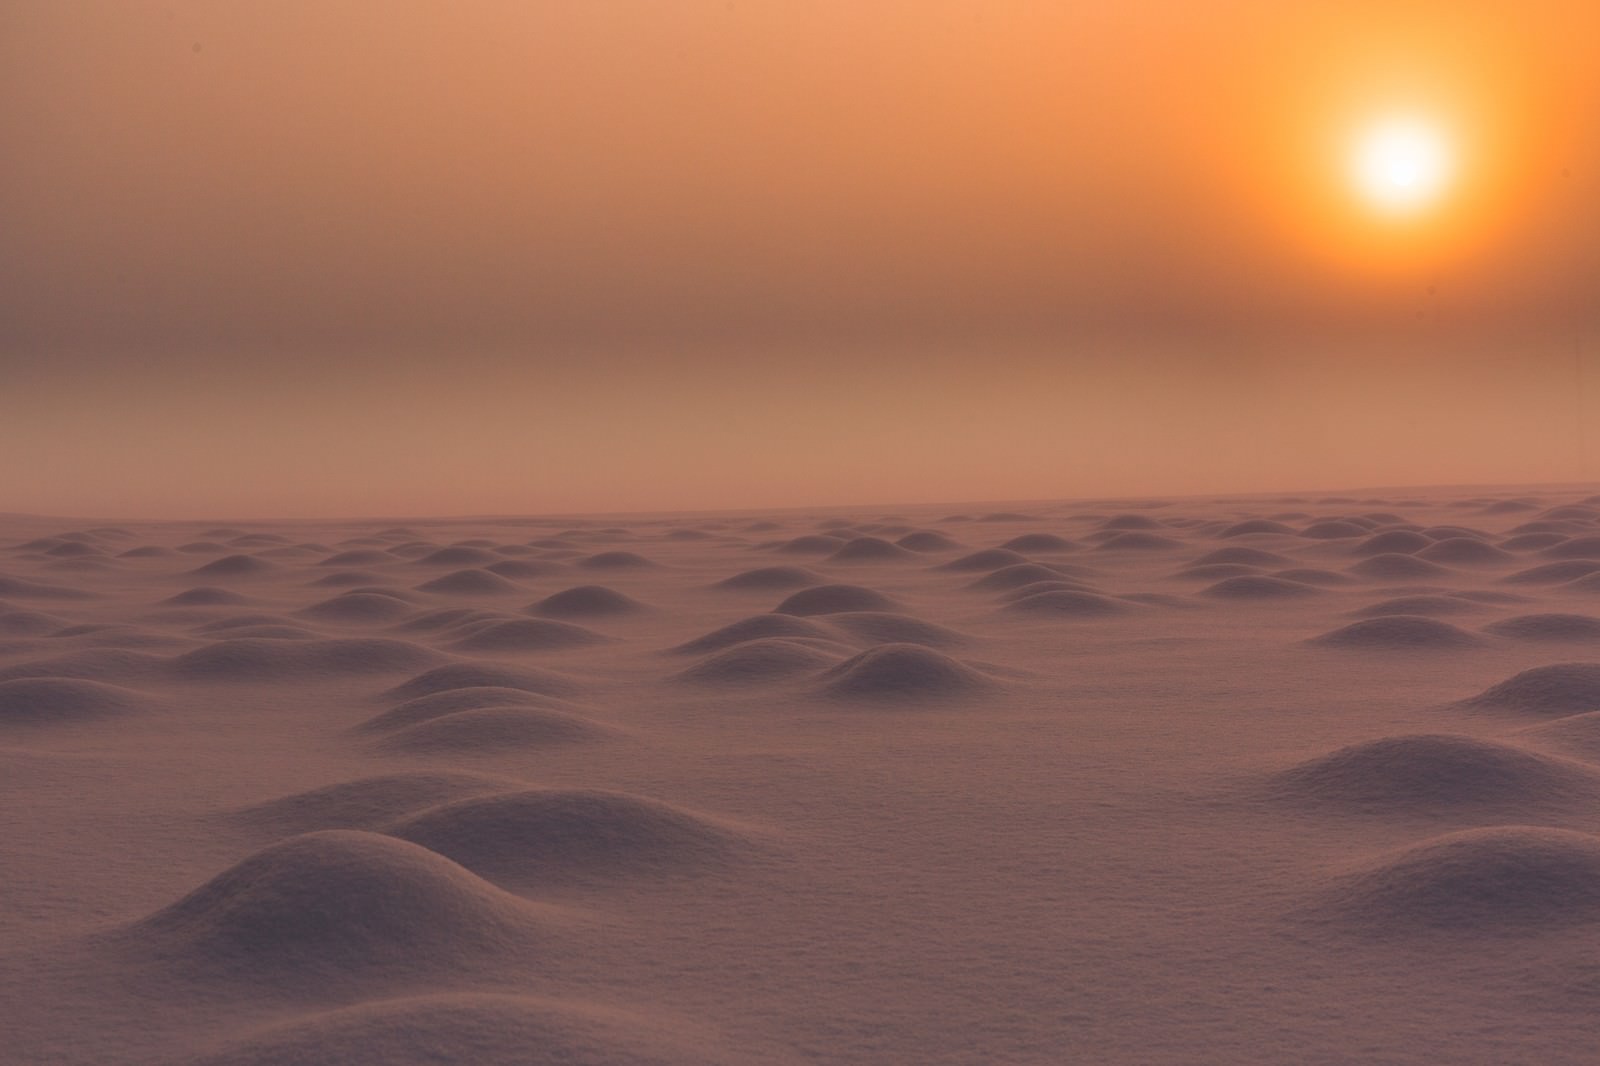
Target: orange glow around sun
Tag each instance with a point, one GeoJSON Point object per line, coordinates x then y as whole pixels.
{"type": "Point", "coordinates": [1387, 150]}
{"type": "Point", "coordinates": [1400, 186]}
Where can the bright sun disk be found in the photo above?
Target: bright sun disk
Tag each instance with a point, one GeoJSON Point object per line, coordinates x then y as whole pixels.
{"type": "Point", "coordinates": [1401, 166]}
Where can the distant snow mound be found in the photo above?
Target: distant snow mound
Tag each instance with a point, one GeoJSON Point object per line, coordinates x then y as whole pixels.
{"type": "Point", "coordinates": [1016, 576]}
{"type": "Point", "coordinates": [528, 634]}
{"type": "Point", "coordinates": [1131, 521]}
{"type": "Point", "coordinates": [1394, 542]}
{"type": "Point", "coordinates": [1572, 513]}
{"type": "Point", "coordinates": [493, 730]}
{"type": "Point", "coordinates": [1258, 587]}
{"type": "Point", "coordinates": [325, 909]}
{"type": "Point", "coordinates": [1547, 627]}
{"type": "Point", "coordinates": [459, 620]}
{"type": "Point", "coordinates": [1392, 566]}
{"type": "Point", "coordinates": [809, 544]}
{"type": "Point", "coordinates": [1511, 506]}
{"type": "Point", "coordinates": [469, 583]}
{"type": "Point", "coordinates": [586, 601]}
{"type": "Point", "coordinates": [1554, 573]}
{"type": "Point", "coordinates": [483, 675]}
{"type": "Point", "coordinates": [74, 549]}
{"type": "Point", "coordinates": [235, 566]}
{"type": "Point", "coordinates": [347, 578]}
{"type": "Point", "coordinates": [93, 664]}
{"type": "Point", "coordinates": [1243, 555]}
{"type": "Point", "coordinates": [1034, 588]}
{"type": "Point", "coordinates": [988, 559]}
{"type": "Point", "coordinates": [1253, 525]}
{"type": "Point", "coordinates": [1577, 733]}
{"type": "Point", "coordinates": [1497, 881]}
{"type": "Point", "coordinates": [22, 589]}
{"type": "Point", "coordinates": [557, 835]}
{"type": "Point", "coordinates": [358, 557]}
{"type": "Point", "coordinates": [450, 701]}
{"type": "Point", "coordinates": [885, 627]}
{"type": "Point", "coordinates": [1215, 571]}
{"type": "Point", "coordinates": [927, 540]}
{"type": "Point", "coordinates": [615, 560]}
{"type": "Point", "coordinates": [1431, 774]}
{"type": "Point", "coordinates": [1524, 542]}
{"type": "Point", "coordinates": [832, 599]}
{"type": "Point", "coordinates": [202, 547]}
{"type": "Point", "coordinates": [1138, 542]}
{"type": "Point", "coordinates": [772, 577]}
{"type": "Point", "coordinates": [1418, 605]}
{"type": "Point", "coordinates": [358, 608]}
{"type": "Point", "coordinates": [1465, 551]}
{"type": "Point", "coordinates": [1576, 548]}
{"type": "Point", "coordinates": [523, 568]}
{"type": "Point", "coordinates": [1557, 689]}
{"type": "Point", "coordinates": [1308, 575]}
{"type": "Point", "coordinates": [459, 555]}
{"type": "Point", "coordinates": [1334, 530]}
{"type": "Point", "coordinates": [43, 701]}
{"type": "Point", "coordinates": [256, 659]}
{"type": "Point", "coordinates": [1067, 603]}
{"type": "Point", "coordinates": [753, 661]}
{"type": "Point", "coordinates": [365, 802]}
{"type": "Point", "coordinates": [258, 540]}
{"type": "Point", "coordinates": [205, 596]}
{"type": "Point", "coordinates": [870, 550]}
{"type": "Point", "coordinates": [1040, 542]}
{"type": "Point", "coordinates": [1398, 632]}
{"type": "Point", "coordinates": [755, 627]}
{"type": "Point", "coordinates": [274, 631]}
{"type": "Point", "coordinates": [902, 673]}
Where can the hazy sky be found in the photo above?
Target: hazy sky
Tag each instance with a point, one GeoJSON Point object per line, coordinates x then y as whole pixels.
{"type": "Point", "coordinates": [389, 256]}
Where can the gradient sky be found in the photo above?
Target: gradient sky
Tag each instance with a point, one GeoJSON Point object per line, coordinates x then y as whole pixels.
{"type": "Point", "coordinates": [386, 256]}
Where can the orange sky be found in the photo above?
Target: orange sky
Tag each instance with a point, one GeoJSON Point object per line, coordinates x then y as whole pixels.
{"type": "Point", "coordinates": [512, 255]}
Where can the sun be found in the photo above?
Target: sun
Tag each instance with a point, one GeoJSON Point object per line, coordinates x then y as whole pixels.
{"type": "Point", "coordinates": [1403, 165]}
